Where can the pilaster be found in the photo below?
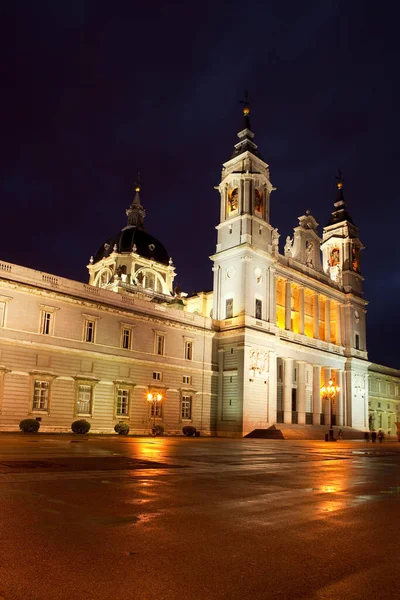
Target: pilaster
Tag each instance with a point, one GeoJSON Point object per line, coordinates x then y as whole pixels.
{"type": "Point", "coordinates": [316, 316]}
{"type": "Point", "coordinates": [317, 394]}
{"type": "Point", "coordinates": [301, 310]}
{"type": "Point", "coordinates": [327, 320]}
{"type": "Point", "coordinates": [288, 306]}
{"type": "Point", "coordinates": [301, 392]}
{"type": "Point", "coordinates": [287, 389]}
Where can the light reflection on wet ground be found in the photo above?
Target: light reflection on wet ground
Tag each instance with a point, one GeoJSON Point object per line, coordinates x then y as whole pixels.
{"type": "Point", "coordinates": [233, 513]}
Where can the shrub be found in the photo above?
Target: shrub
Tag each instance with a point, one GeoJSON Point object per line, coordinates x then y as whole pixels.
{"type": "Point", "coordinates": [29, 426]}
{"type": "Point", "coordinates": [122, 428]}
{"type": "Point", "coordinates": [189, 430]}
{"type": "Point", "coordinates": [159, 430]}
{"type": "Point", "coordinates": [80, 426]}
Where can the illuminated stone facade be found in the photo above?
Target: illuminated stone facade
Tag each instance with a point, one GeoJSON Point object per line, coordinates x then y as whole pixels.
{"type": "Point", "coordinates": [254, 352]}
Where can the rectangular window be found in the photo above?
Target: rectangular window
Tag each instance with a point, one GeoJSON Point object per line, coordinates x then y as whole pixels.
{"type": "Point", "coordinates": [229, 308]}
{"type": "Point", "coordinates": [357, 341]}
{"type": "Point", "coordinates": [126, 338]}
{"type": "Point", "coordinates": [157, 375]}
{"type": "Point", "coordinates": [41, 395]}
{"type": "Point", "coordinates": [122, 403]}
{"type": "Point", "coordinates": [189, 350]}
{"type": "Point", "coordinates": [186, 407]}
{"type": "Point", "coordinates": [187, 379]}
{"type": "Point", "coordinates": [84, 400]}
{"type": "Point", "coordinates": [258, 308]}
{"type": "Point", "coordinates": [89, 331]}
{"type": "Point", "coordinates": [160, 345]}
{"type": "Point", "coordinates": [45, 322]}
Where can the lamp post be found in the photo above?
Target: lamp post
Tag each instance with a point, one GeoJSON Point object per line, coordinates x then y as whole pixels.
{"type": "Point", "coordinates": [330, 392]}
{"type": "Point", "coordinates": [154, 399]}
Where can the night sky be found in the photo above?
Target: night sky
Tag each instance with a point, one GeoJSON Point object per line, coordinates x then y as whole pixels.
{"type": "Point", "coordinates": [93, 91]}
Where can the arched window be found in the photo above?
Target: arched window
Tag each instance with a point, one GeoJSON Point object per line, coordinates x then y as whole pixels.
{"type": "Point", "coordinates": [103, 277]}
{"type": "Point", "coordinates": [150, 280]}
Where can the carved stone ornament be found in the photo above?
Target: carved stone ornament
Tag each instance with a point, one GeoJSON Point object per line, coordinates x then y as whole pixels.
{"type": "Point", "coordinates": [258, 363]}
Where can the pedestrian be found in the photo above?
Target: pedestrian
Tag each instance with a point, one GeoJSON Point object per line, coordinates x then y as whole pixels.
{"type": "Point", "coordinates": [373, 436]}
{"type": "Point", "coordinates": [366, 436]}
{"type": "Point", "coordinates": [380, 436]}
{"type": "Point", "coordinates": [340, 434]}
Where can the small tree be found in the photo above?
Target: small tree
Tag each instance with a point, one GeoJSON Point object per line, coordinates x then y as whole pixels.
{"type": "Point", "coordinates": [80, 426]}
{"type": "Point", "coordinates": [122, 428]}
{"type": "Point", "coordinates": [29, 426]}
{"type": "Point", "coordinates": [189, 430]}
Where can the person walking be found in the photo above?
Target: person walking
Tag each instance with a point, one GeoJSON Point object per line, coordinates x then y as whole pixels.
{"type": "Point", "coordinates": [340, 434]}
{"type": "Point", "coordinates": [380, 436]}
{"type": "Point", "coordinates": [366, 436]}
{"type": "Point", "coordinates": [373, 436]}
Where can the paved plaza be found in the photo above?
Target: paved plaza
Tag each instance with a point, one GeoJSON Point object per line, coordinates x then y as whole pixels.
{"type": "Point", "coordinates": [97, 517]}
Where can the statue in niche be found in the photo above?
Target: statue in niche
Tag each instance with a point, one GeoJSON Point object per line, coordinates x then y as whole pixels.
{"type": "Point", "coordinates": [104, 278]}
{"type": "Point", "coordinates": [258, 201]}
{"type": "Point", "coordinates": [309, 254]}
{"type": "Point", "coordinates": [233, 199]}
{"type": "Point", "coordinates": [275, 240]}
{"type": "Point", "coordinates": [338, 277]}
{"type": "Point", "coordinates": [288, 246]}
{"type": "Point", "coordinates": [335, 257]}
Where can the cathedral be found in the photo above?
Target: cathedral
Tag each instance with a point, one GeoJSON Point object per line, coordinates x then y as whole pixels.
{"type": "Point", "coordinates": [279, 342]}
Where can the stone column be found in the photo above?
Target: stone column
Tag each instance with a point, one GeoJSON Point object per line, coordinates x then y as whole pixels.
{"type": "Point", "coordinates": [272, 388]}
{"type": "Point", "coordinates": [316, 317]}
{"type": "Point", "coordinates": [288, 306]}
{"type": "Point", "coordinates": [316, 394]}
{"type": "Point", "coordinates": [327, 320]}
{"type": "Point", "coordinates": [301, 392]}
{"type": "Point", "coordinates": [246, 208]}
{"type": "Point", "coordinates": [220, 416]}
{"type": "Point", "coordinates": [339, 398]}
{"type": "Point", "coordinates": [338, 325]}
{"type": "Point", "coordinates": [224, 202]}
{"type": "Point", "coordinates": [327, 401]}
{"type": "Point", "coordinates": [301, 310]}
{"type": "Point", "coordinates": [287, 389]}
{"type": "Point", "coordinates": [272, 296]}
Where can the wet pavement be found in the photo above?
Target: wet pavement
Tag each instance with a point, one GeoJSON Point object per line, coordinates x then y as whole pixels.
{"type": "Point", "coordinates": [99, 517]}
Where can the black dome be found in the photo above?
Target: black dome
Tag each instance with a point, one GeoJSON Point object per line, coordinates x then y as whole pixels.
{"type": "Point", "coordinates": [146, 245]}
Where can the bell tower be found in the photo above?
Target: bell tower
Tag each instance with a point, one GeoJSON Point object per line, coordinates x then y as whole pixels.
{"type": "Point", "coordinates": [245, 237]}
{"type": "Point", "coordinates": [341, 246]}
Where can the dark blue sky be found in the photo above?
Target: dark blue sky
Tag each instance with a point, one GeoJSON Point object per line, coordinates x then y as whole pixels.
{"type": "Point", "coordinates": [92, 91]}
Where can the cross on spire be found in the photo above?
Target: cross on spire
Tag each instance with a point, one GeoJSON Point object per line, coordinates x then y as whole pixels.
{"type": "Point", "coordinates": [246, 102]}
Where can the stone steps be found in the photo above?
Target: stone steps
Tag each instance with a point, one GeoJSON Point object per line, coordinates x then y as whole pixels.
{"type": "Point", "coordinates": [283, 431]}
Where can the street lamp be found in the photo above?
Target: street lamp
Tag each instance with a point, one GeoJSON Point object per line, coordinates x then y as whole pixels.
{"type": "Point", "coordinates": [330, 391]}
{"type": "Point", "coordinates": [154, 399]}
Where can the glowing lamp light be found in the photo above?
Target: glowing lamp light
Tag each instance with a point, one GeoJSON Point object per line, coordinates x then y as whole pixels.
{"type": "Point", "coordinates": [330, 390]}
{"type": "Point", "coordinates": [154, 398]}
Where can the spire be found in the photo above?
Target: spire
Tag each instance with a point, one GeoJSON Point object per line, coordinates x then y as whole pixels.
{"type": "Point", "coordinates": [245, 135]}
{"type": "Point", "coordinates": [340, 213]}
{"type": "Point", "coordinates": [136, 212]}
